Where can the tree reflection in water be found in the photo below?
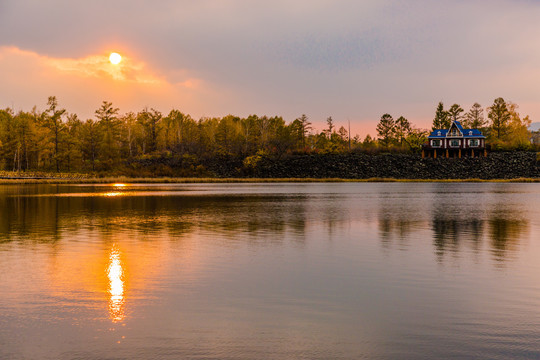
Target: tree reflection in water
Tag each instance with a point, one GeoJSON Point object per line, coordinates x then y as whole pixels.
{"type": "Point", "coordinates": [505, 235]}
{"type": "Point", "coordinates": [457, 223]}
{"type": "Point", "coordinates": [452, 234]}
{"type": "Point", "coordinates": [501, 228]}
{"type": "Point", "coordinates": [49, 217]}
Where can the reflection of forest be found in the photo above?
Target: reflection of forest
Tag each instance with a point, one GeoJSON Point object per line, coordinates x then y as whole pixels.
{"type": "Point", "coordinates": [46, 218]}
{"type": "Point", "coordinates": [457, 226]}
{"type": "Point", "coordinates": [499, 224]}
{"type": "Point", "coordinates": [450, 234]}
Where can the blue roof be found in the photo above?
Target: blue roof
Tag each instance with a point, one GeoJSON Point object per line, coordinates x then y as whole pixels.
{"type": "Point", "coordinates": [467, 133]}
{"type": "Point", "coordinates": [458, 124]}
{"type": "Point", "coordinates": [438, 133]}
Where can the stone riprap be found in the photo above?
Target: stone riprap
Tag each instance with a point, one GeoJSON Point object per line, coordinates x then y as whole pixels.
{"type": "Point", "coordinates": [499, 165]}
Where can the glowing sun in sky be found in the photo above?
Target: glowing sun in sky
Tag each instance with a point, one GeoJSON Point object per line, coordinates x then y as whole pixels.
{"type": "Point", "coordinates": [115, 58]}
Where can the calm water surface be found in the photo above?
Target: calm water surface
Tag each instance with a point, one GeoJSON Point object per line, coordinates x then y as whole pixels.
{"type": "Point", "coordinates": [270, 271]}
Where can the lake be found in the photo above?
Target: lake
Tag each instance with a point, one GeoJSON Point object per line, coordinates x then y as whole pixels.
{"type": "Point", "coordinates": [270, 271]}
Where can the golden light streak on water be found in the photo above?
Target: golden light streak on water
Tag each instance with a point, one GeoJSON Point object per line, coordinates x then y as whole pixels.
{"type": "Point", "coordinates": [115, 273]}
{"type": "Point", "coordinates": [118, 190]}
{"type": "Point", "coordinates": [113, 194]}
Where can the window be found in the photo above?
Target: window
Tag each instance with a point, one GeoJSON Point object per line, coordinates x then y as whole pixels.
{"type": "Point", "coordinates": [470, 133]}
{"type": "Point", "coordinates": [473, 142]}
{"type": "Point", "coordinates": [454, 143]}
{"type": "Point", "coordinates": [438, 133]}
{"type": "Point", "coordinates": [436, 143]}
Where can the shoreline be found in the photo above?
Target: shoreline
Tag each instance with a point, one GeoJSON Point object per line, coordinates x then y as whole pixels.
{"type": "Point", "coordinates": [170, 180]}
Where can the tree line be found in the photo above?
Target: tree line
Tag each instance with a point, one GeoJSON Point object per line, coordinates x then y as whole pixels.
{"type": "Point", "coordinates": [56, 140]}
{"type": "Point", "coordinates": [504, 128]}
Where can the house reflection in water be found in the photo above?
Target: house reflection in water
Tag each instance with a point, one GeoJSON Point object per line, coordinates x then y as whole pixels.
{"type": "Point", "coordinates": [115, 273]}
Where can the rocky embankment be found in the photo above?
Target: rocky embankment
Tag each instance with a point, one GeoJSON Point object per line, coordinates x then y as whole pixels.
{"type": "Point", "coordinates": [502, 165]}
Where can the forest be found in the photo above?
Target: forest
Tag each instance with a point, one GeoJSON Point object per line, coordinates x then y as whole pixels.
{"type": "Point", "coordinates": [55, 140]}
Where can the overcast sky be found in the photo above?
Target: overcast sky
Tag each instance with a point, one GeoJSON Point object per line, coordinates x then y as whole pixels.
{"type": "Point", "coordinates": [352, 60]}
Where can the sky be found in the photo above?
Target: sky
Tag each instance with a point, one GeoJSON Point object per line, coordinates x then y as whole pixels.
{"type": "Point", "coordinates": [353, 60]}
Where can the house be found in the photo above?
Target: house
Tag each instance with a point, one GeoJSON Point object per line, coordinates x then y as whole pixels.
{"type": "Point", "coordinates": [455, 142]}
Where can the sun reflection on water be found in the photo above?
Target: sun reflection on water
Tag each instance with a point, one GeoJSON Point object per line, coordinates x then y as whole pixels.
{"type": "Point", "coordinates": [115, 273]}
{"type": "Point", "coordinates": [118, 190]}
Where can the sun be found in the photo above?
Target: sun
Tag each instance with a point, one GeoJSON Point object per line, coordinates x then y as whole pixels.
{"type": "Point", "coordinates": [115, 58]}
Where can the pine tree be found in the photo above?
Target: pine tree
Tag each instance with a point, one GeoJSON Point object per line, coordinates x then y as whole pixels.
{"type": "Point", "coordinates": [109, 130]}
{"type": "Point", "coordinates": [454, 113]}
{"type": "Point", "coordinates": [305, 126]}
{"type": "Point", "coordinates": [386, 129]}
{"type": "Point", "coordinates": [330, 123]}
{"type": "Point", "coordinates": [474, 119]}
{"type": "Point", "coordinates": [403, 128]}
{"type": "Point", "coordinates": [499, 115]}
{"type": "Point", "coordinates": [441, 120]}
{"type": "Point", "coordinates": [53, 121]}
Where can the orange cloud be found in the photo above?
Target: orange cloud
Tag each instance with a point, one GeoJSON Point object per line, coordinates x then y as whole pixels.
{"type": "Point", "coordinates": [99, 66]}
{"type": "Point", "coordinates": [82, 84]}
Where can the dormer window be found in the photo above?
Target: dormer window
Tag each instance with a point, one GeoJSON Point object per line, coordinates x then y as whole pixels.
{"type": "Point", "coordinates": [470, 133]}
{"type": "Point", "coordinates": [438, 133]}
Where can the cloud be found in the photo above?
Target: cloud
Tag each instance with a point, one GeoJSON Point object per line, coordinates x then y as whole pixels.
{"type": "Point", "coordinates": [81, 84]}
{"type": "Point", "coordinates": [98, 66]}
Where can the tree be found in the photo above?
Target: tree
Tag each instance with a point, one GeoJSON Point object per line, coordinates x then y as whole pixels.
{"type": "Point", "coordinates": [386, 129]}
{"type": "Point", "coordinates": [330, 123]}
{"type": "Point", "coordinates": [454, 113]}
{"type": "Point", "coordinates": [368, 141]}
{"type": "Point", "coordinates": [129, 130]}
{"type": "Point", "coordinates": [518, 128]}
{"type": "Point", "coordinates": [305, 126]}
{"type": "Point", "coordinates": [251, 130]}
{"type": "Point", "coordinates": [228, 135]}
{"type": "Point", "coordinates": [109, 129]}
{"type": "Point", "coordinates": [150, 120]}
{"type": "Point", "coordinates": [442, 119]}
{"type": "Point", "coordinates": [500, 116]}
{"type": "Point", "coordinates": [474, 119]}
{"type": "Point", "coordinates": [343, 134]}
{"type": "Point", "coordinates": [282, 139]}
{"type": "Point", "coordinates": [415, 138]}
{"type": "Point", "coordinates": [24, 135]}
{"type": "Point", "coordinates": [53, 121]}
{"type": "Point", "coordinates": [179, 131]}
{"type": "Point", "coordinates": [8, 138]}
{"type": "Point", "coordinates": [72, 140]}
{"type": "Point", "coordinates": [403, 128]}
{"type": "Point", "coordinates": [90, 141]}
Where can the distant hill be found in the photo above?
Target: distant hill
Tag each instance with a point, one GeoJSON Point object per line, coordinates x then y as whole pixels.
{"type": "Point", "coordinates": [535, 126]}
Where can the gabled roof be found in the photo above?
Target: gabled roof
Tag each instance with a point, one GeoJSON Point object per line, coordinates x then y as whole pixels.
{"type": "Point", "coordinates": [458, 125]}
{"type": "Point", "coordinates": [467, 133]}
